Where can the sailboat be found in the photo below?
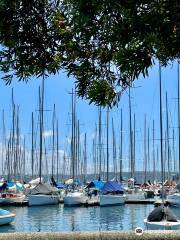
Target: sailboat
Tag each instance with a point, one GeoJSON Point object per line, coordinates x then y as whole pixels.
{"type": "Point", "coordinates": [161, 218]}
{"type": "Point", "coordinates": [74, 197]}
{"type": "Point", "coordinates": [112, 193]}
{"type": "Point", "coordinates": [42, 193]}
{"type": "Point", "coordinates": [174, 198]}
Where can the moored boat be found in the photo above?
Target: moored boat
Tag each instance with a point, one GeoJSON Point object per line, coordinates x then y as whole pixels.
{"type": "Point", "coordinates": [43, 194]}
{"type": "Point", "coordinates": [162, 218]}
{"type": "Point", "coordinates": [6, 217]}
{"type": "Point", "coordinates": [75, 199]}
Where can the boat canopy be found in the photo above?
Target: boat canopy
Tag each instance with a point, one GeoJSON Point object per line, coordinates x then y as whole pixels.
{"type": "Point", "coordinates": [43, 188]}
{"type": "Point", "coordinates": [160, 213]}
{"type": "Point", "coordinates": [112, 186]}
{"type": "Point", "coordinates": [98, 184]}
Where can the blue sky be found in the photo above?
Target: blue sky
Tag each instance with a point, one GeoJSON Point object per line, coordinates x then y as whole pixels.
{"type": "Point", "coordinates": [57, 91]}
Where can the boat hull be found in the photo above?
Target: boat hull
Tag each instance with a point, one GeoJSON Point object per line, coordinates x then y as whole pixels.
{"type": "Point", "coordinates": [135, 196]}
{"type": "Point", "coordinates": [162, 225]}
{"type": "Point", "coordinates": [75, 199]}
{"type": "Point", "coordinates": [7, 219]}
{"type": "Point", "coordinates": [8, 200]}
{"type": "Point", "coordinates": [106, 200]}
{"type": "Point", "coordinates": [174, 199]}
{"type": "Point", "coordinates": [42, 199]}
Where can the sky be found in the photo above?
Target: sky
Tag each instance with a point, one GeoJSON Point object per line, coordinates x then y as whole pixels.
{"type": "Point", "coordinates": [144, 100]}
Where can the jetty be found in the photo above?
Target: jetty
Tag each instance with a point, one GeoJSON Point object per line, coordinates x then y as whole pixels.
{"type": "Point", "coordinates": [103, 235]}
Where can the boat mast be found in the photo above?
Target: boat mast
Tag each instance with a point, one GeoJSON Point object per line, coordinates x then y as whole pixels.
{"type": "Point", "coordinates": [107, 138]}
{"type": "Point", "coordinates": [145, 154]}
{"type": "Point", "coordinates": [53, 142]}
{"type": "Point", "coordinates": [100, 143]}
{"type": "Point", "coordinates": [41, 122]}
{"type": "Point", "coordinates": [167, 137]}
{"type": "Point", "coordinates": [154, 170]}
{"type": "Point", "coordinates": [57, 151]}
{"type": "Point", "coordinates": [130, 136]}
{"type": "Point", "coordinates": [134, 145]}
{"type": "Point", "coordinates": [121, 142]}
{"type": "Point", "coordinates": [178, 119]}
{"type": "Point", "coordinates": [32, 144]}
{"type": "Point", "coordinates": [161, 132]}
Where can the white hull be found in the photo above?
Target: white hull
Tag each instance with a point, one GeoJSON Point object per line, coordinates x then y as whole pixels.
{"type": "Point", "coordinates": [162, 225]}
{"type": "Point", "coordinates": [135, 196]}
{"type": "Point", "coordinates": [6, 219]}
{"type": "Point", "coordinates": [174, 199]}
{"type": "Point", "coordinates": [75, 199]}
{"type": "Point", "coordinates": [108, 199]}
{"type": "Point", "coordinates": [42, 199]}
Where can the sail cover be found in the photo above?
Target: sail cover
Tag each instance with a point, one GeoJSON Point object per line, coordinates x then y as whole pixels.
{"type": "Point", "coordinates": [43, 188]}
{"type": "Point", "coordinates": [160, 213]}
{"type": "Point", "coordinates": [112, 186]}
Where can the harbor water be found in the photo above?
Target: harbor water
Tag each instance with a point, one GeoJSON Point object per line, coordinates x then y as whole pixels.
{"type": "Point", "coordinates": [57, 218]}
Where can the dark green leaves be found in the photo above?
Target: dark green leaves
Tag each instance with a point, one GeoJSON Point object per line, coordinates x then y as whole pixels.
{"type": "Point", "coordinates": [104, 44]}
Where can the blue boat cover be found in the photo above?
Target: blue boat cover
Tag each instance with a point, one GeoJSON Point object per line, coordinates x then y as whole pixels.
{"type": "Point", "coordinates": [60, 185]}
{"type": "Point", "coordinates": [112, 186]}
{"type": "Point", "coordinates": [11, 184]}
{"type": "Point", "coordinates": [98, 184]}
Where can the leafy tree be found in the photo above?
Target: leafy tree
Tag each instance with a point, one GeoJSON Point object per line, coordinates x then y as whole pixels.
{"type": "Point", "coordinates": [104, 44]}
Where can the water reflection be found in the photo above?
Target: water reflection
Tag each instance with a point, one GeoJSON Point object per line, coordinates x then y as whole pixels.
{"type": "Point", "coordinates": [57, 218]}
{"type": "Point", "coordinates": [111, 217]}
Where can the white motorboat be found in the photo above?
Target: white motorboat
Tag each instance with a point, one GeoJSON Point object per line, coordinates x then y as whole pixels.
{"type": "Point", "coordinates": [75, 199]}
{"type": "Point", "coordinates": [111, 199]}
{"type": "Point", "coordinates": [6, 217]}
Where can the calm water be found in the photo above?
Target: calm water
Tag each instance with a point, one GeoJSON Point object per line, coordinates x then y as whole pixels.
{"type": "Point", "coordinates": [59, 218]}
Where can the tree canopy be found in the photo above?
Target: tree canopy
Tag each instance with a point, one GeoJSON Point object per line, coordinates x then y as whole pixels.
{"type": "Point", "coordinates": [104, 44]}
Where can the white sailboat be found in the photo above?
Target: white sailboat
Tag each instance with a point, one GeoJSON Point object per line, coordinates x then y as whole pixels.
{"type": "Point", "coordinates": [74, 197]}
{"type": "Point", "coordinates": [112, 191]}
{"type": "Point", "coordinates": [161, 218]}
{"type": "Point", "coordinates": [43, 194]}
{"type": "Point", "coordinates": [111, 194]}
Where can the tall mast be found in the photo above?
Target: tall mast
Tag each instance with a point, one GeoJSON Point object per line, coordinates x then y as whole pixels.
{"type": "Point", "coordinates": [107, 153]}
{"type": "Point", "coordinates": [41, 122]}
{"type": "Point", "coordinates": [167, 137]}
{"type": "Point", "coordinates": [32, 144]}
{"type": "Point", "coordinates": [57, 151]}
{"type": "Point", "coordinates": [100, 144]}
{"type": "Point", "coordinates": [178, 119]}
{"type": "Point", "coordinates": [130, 136]}
{"type": "Point", "coordinates": [121, 142]}
{"type": "Point", "coordinates": [161, 132]}
{"type": "Point", "coordinates": [154, 165]}
{"type": "Point", "coordinates": [145, 154]}
{"type": "Point", "coordinates": [114, 150]}
{"type": "Point", "coordinates": [53, 142]}
{"type": "Point", "coordinates": [134, 145]}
